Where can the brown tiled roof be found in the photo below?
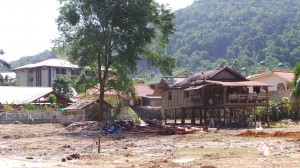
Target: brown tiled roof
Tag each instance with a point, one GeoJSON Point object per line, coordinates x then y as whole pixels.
{"type": "Point", "coordinates": [207, 75]}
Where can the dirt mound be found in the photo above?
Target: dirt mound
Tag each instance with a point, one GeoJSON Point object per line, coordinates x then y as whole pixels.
{"type": "Point", "coordinates": [276, 134]}
{"type": "Point", "coordinates": [85, 125]}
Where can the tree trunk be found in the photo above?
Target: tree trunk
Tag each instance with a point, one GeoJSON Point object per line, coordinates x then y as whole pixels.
{"type": "Point", "coordinates": [297, 111]}
{"type": "Point", "coordinates": [101, 103]}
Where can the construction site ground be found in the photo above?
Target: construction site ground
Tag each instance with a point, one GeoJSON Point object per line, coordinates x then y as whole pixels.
{"type": "Point", "coordinates": [55, 145]}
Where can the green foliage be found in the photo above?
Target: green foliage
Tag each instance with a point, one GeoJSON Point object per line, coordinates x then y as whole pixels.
{"type": "Point", "coordinates": [275, 113]}
{"type": "Point", "coordinates": [52, 98]}
{"type": "Point", "coordinates": [113, 35]}
{"type": "Point", "coordinates": [7, 81]}
{"type": "Point", "coordinates": [7, 107]}
{"type": "Point", "coordinates": [234, 30]}
{"type": "Point", "coordinates": [61, 85]}
{"type": "Point", "coordinates": [3, 63]}
{"type": "Point", "coordinates": [82, 82]}
{"type": "Point", "coordinates": [29, 106]}
{"type": "Point", "coordinates": [133, 116]}
{"type": "Point", "coordinates": [31, 59]}
{"type": "Point", "coordinates": [296, 88]}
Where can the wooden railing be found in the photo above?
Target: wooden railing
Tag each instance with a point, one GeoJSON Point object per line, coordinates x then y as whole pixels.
{"type": "Point", "coordinates": [247, 99]}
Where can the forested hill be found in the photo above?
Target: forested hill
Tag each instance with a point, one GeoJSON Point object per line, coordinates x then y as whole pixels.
{"type": "Point", "coordinates": [31, 59]}
{"type": "Point", "coordinates": [212, 33]}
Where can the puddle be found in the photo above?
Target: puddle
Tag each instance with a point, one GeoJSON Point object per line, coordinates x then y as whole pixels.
{"type": "Point", "coordinates": [204, 151]}
{"type": "Point", "coordinates": [183, 160]}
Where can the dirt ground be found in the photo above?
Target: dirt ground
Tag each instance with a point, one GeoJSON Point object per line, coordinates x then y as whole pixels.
{"type": "Point", "coordinates": [54, 145]}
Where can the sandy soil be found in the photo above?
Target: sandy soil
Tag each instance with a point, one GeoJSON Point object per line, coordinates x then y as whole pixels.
{"type": "Point", "coordinates": [46, 145]}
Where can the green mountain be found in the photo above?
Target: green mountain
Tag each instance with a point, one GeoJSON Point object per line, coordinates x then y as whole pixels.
{"type": "Point", "coordinates": [216, 33]}
{"type": "Point", "coordinates": [31, 59]}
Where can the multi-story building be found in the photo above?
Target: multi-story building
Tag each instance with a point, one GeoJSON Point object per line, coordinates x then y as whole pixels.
{"type": "Point", "coordinates": [42, 73]}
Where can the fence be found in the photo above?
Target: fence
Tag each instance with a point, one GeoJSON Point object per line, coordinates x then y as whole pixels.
{"type": "Point", "coordinates": [30, 117]}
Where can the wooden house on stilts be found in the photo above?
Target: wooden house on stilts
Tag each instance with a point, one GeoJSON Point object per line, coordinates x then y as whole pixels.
{"type": "Point", "coordinates": [219, 97]}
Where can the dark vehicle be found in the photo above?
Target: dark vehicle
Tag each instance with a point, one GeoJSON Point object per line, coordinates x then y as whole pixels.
{"type": "Point", "coordinates": [111, 128]}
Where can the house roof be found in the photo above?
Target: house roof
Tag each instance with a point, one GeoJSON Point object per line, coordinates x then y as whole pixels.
{"type": "Point", "coordinates": [158, 78]}
{"type": "Point", "coordinates": [209, 75]}
{"type": "Point", "coordinates": [82, 104]}
{"type": "Point", "coordinates": [50, 63]}
{"type": "Point", "coordinates": [20, 95]}
{"type": "Point", "coordinates": [288, 76]}
{"type": "Point", "coordinates": [143, 90]}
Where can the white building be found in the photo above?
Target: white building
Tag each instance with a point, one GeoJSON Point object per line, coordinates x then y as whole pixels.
{"type": "Point", "coordinates": [41, 74]}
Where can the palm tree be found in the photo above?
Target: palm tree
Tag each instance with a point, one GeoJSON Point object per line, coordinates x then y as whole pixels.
{"type": "Point", "coordinates": [3, 62]}
{"type": "Point", "coordinates": [7, 81]}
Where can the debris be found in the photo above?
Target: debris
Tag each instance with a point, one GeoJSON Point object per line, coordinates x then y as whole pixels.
{"type": "Point", "coordinates": [259, 128]}
{"type": "Point", "coordinates": [265, 148]}
{"type": "Point", "coordinates": [84, 125]}
{"type": "Point", "coordinates": [29, 157]}
{"type": "Point", "coordinates": [63, 159]}
{"type": "Point", "coordinates": [75, 156]}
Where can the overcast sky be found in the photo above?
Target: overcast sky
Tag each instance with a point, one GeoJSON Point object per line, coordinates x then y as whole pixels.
{"type": "Point", "coordinates": [28, 26]}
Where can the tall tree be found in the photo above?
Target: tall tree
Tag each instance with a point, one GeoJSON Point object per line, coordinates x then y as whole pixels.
{"type": "Point", "coordinates": [113, 35]}
{"type": "Point", "coordinates": [3, 62]}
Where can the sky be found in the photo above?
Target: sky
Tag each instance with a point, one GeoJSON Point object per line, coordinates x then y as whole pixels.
{"type": "Point", "coordinates": [27, 27]}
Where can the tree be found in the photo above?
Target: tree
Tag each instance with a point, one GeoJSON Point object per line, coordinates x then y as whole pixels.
{"type": "Point", "coordinates": [3, 62]}
{"type": "Point", "coordinates": [113, 35]}
{"type": "Point", "coordinates": [296, 88]}
{"type": "Point", "coordinates": [7, 81]}
{"type": "Point", "coordinates": [61, 85]}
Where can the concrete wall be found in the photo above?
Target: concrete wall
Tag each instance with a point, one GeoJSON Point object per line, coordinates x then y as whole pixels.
{"type": "Point", "coordinates": [30, 117]}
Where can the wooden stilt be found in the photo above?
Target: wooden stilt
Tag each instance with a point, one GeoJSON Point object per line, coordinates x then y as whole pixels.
{"type": "Point", "coordinates": [225, 118]}
{"type": "Point", "coordinates": [175, 117]}
{"type": "Point", "coordinates": [205, 124]}
{"type": "Point", "coordinates": [193, 117]}
{"type": "Point", "coordinates": [166, 116]}
{"type": "Point", "coordinates": [268, 121]}
{"type": "Point", "coordinates": [201, 117]}
{"type": "Point", "coordinates": [182, 116]}
{"type": "Point", "coordinates": [254, 116]}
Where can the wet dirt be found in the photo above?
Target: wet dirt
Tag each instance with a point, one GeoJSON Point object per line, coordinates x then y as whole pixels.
{"type": "Point", "coordinates": [53, 145]}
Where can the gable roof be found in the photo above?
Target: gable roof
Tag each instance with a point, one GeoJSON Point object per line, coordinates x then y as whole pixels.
{"type": "Point", "coordinates": [158, 78]}
{"type": "Point", "coordinates": [288, 76]}
{"type": "Point", "coordinates": [210, 75]}
{"type": "Point", "coordinates": [143, 90]}
{"type": "Point", "coordinates": [50, 63]}
{"type": "Point", "coordinates": [82, 104]}
{"type": "Point", "coordinates": [21, 95]}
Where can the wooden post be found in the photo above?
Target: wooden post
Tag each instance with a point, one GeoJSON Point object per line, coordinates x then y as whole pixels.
{"type": "Point", "coordinates": [99, 145]}
{"type": "Point", "coordinates": [268, 121]}
{"type": "Point", "coordinates": [193, 117]}
{"type": "Point", "coordinates": [165, 116]}
{"type": "Point", "coordinates": [225, 118]}
{"type": "Point", "coordinates": [254, 116]}
{"type": "Point", "coordinates": [175, 117]}
{"type": "Point", "coordinates": [200, 116]}
{"type": "Point", "coordinates": [205, 117]}
{"type": "Point", "coordinates": [182, 116]}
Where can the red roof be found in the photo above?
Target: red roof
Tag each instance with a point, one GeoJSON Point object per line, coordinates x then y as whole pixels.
{"type": "Point", "coordinates": [286, 75]}
{"type": "Point", "coordinates": [143, 89]}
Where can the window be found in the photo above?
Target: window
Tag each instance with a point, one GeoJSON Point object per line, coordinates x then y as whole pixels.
{"type": "Point", "coordinates": [61, 71]}
{"type": "Point", "coordinates": [169, 95]}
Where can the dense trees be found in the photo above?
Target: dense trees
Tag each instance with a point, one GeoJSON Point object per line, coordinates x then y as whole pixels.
{"type": "Point", "coordinates": [248, 31]}
{"type": "Point", "coordinates": [111, 35]}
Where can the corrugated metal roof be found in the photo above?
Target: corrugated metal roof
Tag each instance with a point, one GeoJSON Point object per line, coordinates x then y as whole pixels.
{"type": "Point", "coordinates": [80, 104]}
{"type": "Point", "coordinates": [20, 95]}
{"type": "Point", "coordinates": [241, 83]}
{"type": "Point", "coordinates": [50, 63]}
{"type": "Point", "coordinates": [143, 89]}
